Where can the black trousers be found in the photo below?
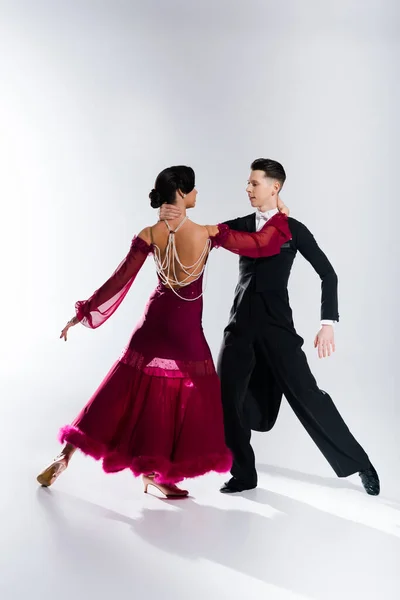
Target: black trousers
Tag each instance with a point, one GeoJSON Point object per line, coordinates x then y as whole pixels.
{"type": "Point", "coordinates": [261, 331]}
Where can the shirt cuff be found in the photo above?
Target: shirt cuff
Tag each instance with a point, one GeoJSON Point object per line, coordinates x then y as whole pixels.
{"type": "Point", "coordinates": [328, 322]}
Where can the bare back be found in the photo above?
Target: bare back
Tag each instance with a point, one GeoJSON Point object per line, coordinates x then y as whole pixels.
{"type": "Point", "coordinates": [192, 246]}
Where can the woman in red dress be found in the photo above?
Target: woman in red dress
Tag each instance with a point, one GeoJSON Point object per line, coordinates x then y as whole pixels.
{"type": "Point", "coordinates": [158, 412]}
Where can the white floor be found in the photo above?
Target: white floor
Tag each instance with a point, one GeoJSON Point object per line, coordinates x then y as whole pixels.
{"type": "Point", "coordinates": [94, 536]}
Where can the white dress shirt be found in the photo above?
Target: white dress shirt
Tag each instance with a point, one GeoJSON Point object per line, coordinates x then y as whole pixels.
{"type": "Point", "coordinates": [261, 218]}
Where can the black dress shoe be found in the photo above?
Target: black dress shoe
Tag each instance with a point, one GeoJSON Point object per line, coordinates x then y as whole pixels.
{"type": "Point", "coordinates": [370, 481]}
{"type": "Point", "coordinates": [233, 486]}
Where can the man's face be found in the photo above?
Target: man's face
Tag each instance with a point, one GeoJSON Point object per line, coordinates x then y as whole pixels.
{"type": "Point", "coordinates": [262, 190]}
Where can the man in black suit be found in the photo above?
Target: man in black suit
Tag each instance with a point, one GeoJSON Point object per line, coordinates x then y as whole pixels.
{"type": "Point", "coordinates": [261, 357]}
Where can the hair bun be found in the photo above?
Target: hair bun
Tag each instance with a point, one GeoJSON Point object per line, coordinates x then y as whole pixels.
{"type": "Point", "coordinates": [155, 198]}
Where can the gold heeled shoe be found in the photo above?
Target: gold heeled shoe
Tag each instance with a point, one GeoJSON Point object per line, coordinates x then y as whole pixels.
{"type": "Point", "coordinates": [169, 490]}
{"type": "Point", "coordinates": [47, 477]}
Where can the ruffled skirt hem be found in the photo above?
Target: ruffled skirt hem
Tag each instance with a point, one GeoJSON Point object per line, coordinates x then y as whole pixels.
{"type": "Point", "coordinates": [166, 470]}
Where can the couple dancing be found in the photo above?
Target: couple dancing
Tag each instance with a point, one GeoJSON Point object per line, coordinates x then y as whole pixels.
{"type": "Point", "coordinates": [162, 411]}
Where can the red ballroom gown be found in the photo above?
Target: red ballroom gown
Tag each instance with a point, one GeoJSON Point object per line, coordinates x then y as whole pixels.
{"type": "Point", "coordinates": [159, 408]}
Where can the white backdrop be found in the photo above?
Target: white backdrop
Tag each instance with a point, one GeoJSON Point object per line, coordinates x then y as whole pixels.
{"type": "Point", "coordinates": [98, 96]}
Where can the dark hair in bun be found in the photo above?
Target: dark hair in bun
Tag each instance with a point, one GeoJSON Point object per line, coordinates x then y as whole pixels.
{"type": "Point", "coordinates": [155, 199]}
{"type": "Point", "coordinates": [168, 182]}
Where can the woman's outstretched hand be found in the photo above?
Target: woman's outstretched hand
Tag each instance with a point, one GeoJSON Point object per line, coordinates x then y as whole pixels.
{"type": "Point", "coordinates": [282, 207]}
{"type": "Point", "coordinates": [74, 321]}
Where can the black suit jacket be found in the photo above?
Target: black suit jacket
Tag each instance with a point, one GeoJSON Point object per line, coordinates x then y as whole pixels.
{"type": "Point", "coordinates": [272, 274]}
{"type": "Point", "coordinates": [269, 277]}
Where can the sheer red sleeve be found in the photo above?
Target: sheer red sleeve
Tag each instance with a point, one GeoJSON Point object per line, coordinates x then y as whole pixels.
{"type": "Point", "coordinates": [104, 302]}
{"type": "Point", "coordinates": [266, 242]}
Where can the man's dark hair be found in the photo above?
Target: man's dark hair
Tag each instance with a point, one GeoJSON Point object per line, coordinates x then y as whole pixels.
{"type": "Point", "coordinates": [271, 169]}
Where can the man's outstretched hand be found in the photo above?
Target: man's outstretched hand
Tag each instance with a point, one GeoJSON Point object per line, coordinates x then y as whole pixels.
{"type": "Point", "coordinates": [325, 341]}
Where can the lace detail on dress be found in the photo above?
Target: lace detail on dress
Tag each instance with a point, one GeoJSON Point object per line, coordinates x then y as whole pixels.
{"type": "Point", "coordinates": [166, 367]}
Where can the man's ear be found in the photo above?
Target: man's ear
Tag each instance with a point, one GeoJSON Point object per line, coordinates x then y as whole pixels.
{"type": "Point", "coordinates": [277, 187]}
